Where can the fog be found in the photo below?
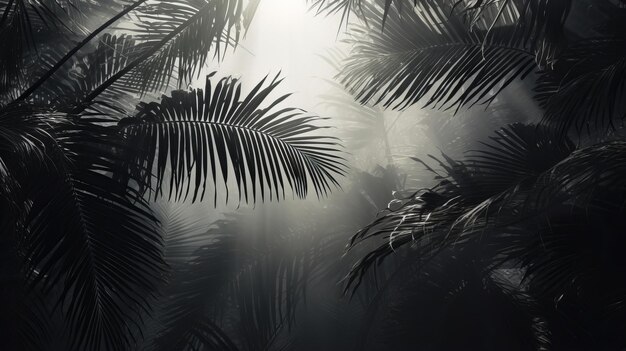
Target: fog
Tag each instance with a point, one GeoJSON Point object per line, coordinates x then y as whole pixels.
{"type": "Point", "coordinates": [363, 175]}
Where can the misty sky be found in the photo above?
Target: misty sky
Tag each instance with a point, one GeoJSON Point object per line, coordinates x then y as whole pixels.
{"type": "Point", "coordinates": [285, 37]}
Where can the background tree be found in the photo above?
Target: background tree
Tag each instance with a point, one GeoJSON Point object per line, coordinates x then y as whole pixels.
{"type": "Point", "coordinates": [509, 239]}
{"type": "Point", "coordinates": [79, 163]}
{"type": "Point", "coordinates": [517, 203]}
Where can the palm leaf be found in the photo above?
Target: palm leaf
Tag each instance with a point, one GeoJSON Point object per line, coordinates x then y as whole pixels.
{"type": "Point", "coordinates": [467, 191]}
{"type": "Point", "coordinates": [203, 133]}
{"type": "Point", "coordinates": [181, 41]}
{"type": "Point", "coordinates": [85, 72]}
{"type": "Point", "coordinates": [183, 229]}
{"type": "Point", "coordinates": [517, 153]}
{"type": "Point", "coordinates": [62, 60]}
{"type": "Point", "coordinates": [576, 180]}
{"type": "Point", "coordinates": [25, 131]}
{"type": "Point", "coordinates": [163, 45]}
{"type": "Point", "coordinates": [94, 238]}
{"type": "Point", "coordinates": [28, 27]}
{"type": "Point", "coordinates": [21, 23]}
{"type": "Point", "coordinates": [585, 90]}
{"type": "Point", "coordinates": [347, 7]}
{"type": "Point", "coordinates": [543, 21]}
{"type": "Point", "coordinates": [429, 53]}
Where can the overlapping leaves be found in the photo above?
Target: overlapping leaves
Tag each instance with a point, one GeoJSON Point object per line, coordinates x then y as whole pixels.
{"type": "Point", "coordinates": [21, 24]}
{"type": "Point", "coordinates": [27, 28]}
{"type": "Point", "coordinates": [347, 7]}
{"type": "Point", "coordinates": [468, 194]}
{"type": "Point", "coordinates": [520, 175]}
{"type": "Point", "coordinates": [87, 240]}
{"type": "Point", "coordinates": [429, 53]}
{"type": "Point", "coordinates": [182, 41]}
{"type": "Point", "coordinates": [585, 90]}
{"type": "Point", "coordinates": [543, 21]}
{"type": "Point", "coordinates": [162, 49]}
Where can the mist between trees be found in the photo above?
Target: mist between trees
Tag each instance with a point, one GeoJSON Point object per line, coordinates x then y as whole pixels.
{"type": "Point", "coordinates": [312, 175]}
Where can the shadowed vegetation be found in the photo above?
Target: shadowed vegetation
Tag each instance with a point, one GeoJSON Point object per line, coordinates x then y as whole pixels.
{"type": "Point", "coordinates": [501, 228]}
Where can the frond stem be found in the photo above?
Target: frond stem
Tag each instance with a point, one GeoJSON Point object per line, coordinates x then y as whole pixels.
{"type": "Point", "coordinates": [74, 50]}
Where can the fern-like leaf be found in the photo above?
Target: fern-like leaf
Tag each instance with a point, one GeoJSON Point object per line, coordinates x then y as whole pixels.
{"type": "Point", "coordinates": [428, 53]}
{"type": "Point", "coordinates": [204, 133]}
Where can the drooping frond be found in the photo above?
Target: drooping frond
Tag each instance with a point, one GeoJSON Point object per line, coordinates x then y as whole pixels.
{"type": "Point", "coordinates": [517, 153]}
{"type": "Point", "coordinates": [26, 132]}
{"type": "Point", "coordinates": [348, 7]}
{"type": "Point", "coordinates": [543, 21]}
{"type": "Point", "coordinates": [84, 73]}
{"type": "Point", "coordinates": [183, 230]}
{"type": "Point", "coordinates": [204, 133]}
{"type": "Point", "coordinates": [164, 49]}
{"type": "Point", "coordinates": [21, 25]}
{"type": "Point", "coordinates": [182, 41]}
{"type": "Point", "coordinates": [576, 180]}
{"type": "Point", "coordinates": [58, 56]}
{"type": "Point", "coordinates": [27, 28]}
{"type": "Point", "coordinates": [92, 240]}
{"type": "Point", "coordinates": [428, 53]}
{"type": "Point", "coordinates": [585, 91]}
{"type": "Point", "coordinates": [428, 218]}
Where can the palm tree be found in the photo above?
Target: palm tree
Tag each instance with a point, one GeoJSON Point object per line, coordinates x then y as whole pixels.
{"type": "Point", "coordinates": [521, 202]}
{"type": "Point", "coordinates": [79, 163]}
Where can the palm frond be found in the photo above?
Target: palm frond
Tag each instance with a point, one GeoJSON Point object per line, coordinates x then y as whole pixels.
{"type": "Point", "coordinates": [348, 7]}
{"type": "Point", "coordinates": [585, 90]}
{"type": "Point", "coordinates": [25, 131]}
{"type": "Point", "coordinates": [21, 23]}
{"type": "Point", "coordinates": [467, 190]}
{"type": "Point", "coordinates": [202, 133]}
{"type": "Point", "coordinates": [249, 12]}
{"type": "Point", "coordinates": [163, 45]}
{"type": "Point", "coordinates": [86, 72]}
{"type": "Point", "coordinates": [28, 27]}
{"type": "Point", "coordinates": [181, 41]}
{"type": "Point", "coordinates": [94, 237]}
{"type": "Point", "coordinates": [576, 180]}
{"type": "Point", "coordinates": [183, 229]}
{"type": "Point", "coordinates": [429, 53]}
{"type": "Point", "coordinates": [517, 153]}
{"type": "Point", "coordinates": [163, 49]}
{"type": "Point", "coordinates": [542, 19]}
{"type": "Point", "coordinates": [68, 53]}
